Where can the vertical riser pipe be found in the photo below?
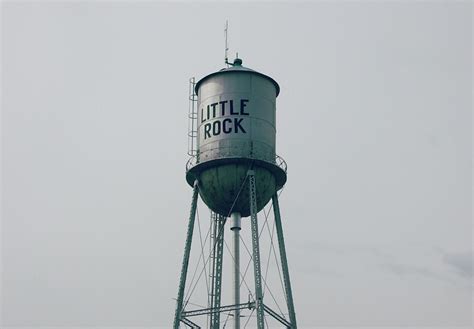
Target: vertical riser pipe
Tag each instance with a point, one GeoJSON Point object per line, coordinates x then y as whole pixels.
{"type": "Point", "coordinates": [235, 226]}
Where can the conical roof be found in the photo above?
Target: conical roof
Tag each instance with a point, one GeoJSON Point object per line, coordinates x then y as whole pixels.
{"type": "Point", "coordinates": [237, 67]}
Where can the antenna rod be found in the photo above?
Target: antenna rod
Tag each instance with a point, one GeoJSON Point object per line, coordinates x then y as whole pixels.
{"type": "Point", "coordinates": [226, 59]}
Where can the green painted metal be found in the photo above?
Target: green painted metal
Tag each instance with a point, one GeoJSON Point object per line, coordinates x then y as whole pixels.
{"type": "Point", "coordinates": [212, 265]}
{"type": "Point", "coordinates": [256, 251]}
{"type": "Point", "coordinates": [221, 188]}
{"type": "Point", "coordinates": [187, 251]}
{"type": "Point", "coordinates": [217, 258]}
{"type": "Point", "coordinates": [277, 316]}
{"type": "Point", "coordinates": [236, 129]}
{"type": "Point", "coordinates": [284, 261]}
{"type": "Point", "coordinates": [190, 323]}
{"type": "Point", "coordinates": [233, 138]}
{"type": "Point", "coordinates": [204, 311]}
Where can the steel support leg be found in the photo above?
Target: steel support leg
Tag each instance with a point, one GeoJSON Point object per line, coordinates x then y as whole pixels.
{"type": "Point", "coordinates": [218, 253]}
{"type": "Point", "coordinates": [256, 251]}
{"type": "Point", "coordinates": [187, 251]}
{"type": "Point", "coordinates": [214, 231]}
{"type": "Point", "coordinates": [284, 261]}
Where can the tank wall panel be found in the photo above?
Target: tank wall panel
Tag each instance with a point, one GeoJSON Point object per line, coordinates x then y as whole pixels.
{"type": "Point", "coordinates": [236, 117]}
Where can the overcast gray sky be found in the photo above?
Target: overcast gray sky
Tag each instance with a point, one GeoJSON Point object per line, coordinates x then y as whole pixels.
{"type": "Point", "coordinates": [373, 119]}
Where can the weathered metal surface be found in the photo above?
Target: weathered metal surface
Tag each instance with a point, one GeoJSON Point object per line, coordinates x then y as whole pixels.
{"type": "Point", "coordinates": [224, 188]}
{"type": "Point", "coordinates": [284, 262]}
{"type": "Point", "coordinates": [187, 251]}
{"type": "Point", "coordinates": [249, 305]}
{"type": "Point", "coordinates": [238, 172]}
{"type": "Point", "coordinates": [236, 131]}
{"type": "Point", "coordinates": [217, 241]}
{"type": "Point", "coordinates": [256, 251]}
{"type": "Point", "coordinates": [235, 226]}
{"type": "Point", "coordinates": [236, 116]}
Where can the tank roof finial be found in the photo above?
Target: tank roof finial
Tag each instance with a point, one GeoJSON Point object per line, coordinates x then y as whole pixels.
{"type": "Point", "coordinates": [237, 62]}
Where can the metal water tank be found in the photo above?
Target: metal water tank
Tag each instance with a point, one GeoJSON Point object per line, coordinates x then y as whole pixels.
{"type": "Point", "coordinates": [236, 132]}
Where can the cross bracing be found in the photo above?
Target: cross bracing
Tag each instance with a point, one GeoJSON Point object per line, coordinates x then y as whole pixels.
{"type": "Point", "coordinates": [266, 285]}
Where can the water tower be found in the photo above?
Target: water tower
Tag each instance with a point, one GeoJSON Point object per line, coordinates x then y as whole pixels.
{"type": "Point", "coordinates": [236, 172]}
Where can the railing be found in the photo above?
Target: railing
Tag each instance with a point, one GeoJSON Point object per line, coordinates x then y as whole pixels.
{"type": "Point", "coordinates": [191, 163]}
{"type": "Point", "coordinates": [279, 161]}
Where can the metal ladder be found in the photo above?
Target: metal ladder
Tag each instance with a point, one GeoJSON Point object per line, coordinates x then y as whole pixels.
{"type": "Point", "coordinates": [192, 119]}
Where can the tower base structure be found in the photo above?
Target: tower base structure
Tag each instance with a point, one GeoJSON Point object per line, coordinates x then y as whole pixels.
{"type": "Point", "coordinates": [185, 317]}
